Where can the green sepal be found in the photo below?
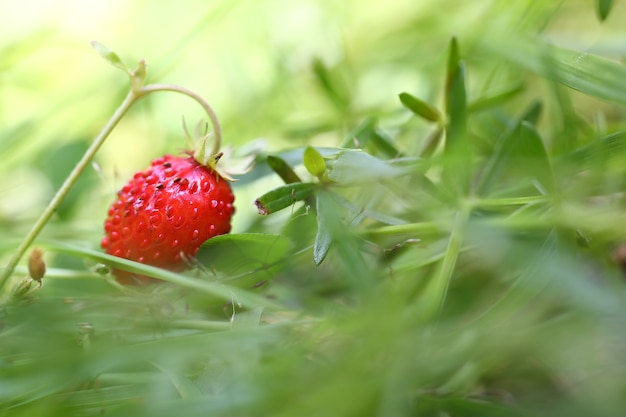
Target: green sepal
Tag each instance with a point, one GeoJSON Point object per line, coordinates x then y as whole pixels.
{"type": "Point", "coordinates": [314, 162]}
{"type": "Point", "coordinates": [283, 197]}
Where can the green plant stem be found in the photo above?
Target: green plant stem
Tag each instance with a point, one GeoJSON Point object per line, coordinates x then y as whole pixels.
{"type": "Point", "coordinates": [217, 128]}
{"type": "Point", "coordinates": [437, 288]}
{"type": "Point", "coordinates": [136, 92]}
{"type": "Point", "coordinates": [206, 325]}
{"type": "Point", "coordinates": [52, 207]}
{"type": "Point", "coordinates": [511, 201]}
{"type": "Point", "coordinates": [409, 228]}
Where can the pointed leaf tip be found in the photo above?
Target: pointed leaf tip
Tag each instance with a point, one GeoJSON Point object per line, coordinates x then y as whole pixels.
{"type": "Point", "coordinates": [327, 224]}
{"type": "Point", "coordinates": [454, 58]}
{"type": "Point", "coordinates": [284, 171]}
{"type": "Point", "coordinates": [420, 107]}
{"type": "Point", "coordinates": [110, 56]}
{"type": "Point", "coordinates": [603, 8]}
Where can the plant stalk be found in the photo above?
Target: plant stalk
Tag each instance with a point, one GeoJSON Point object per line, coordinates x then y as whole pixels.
{"type": "Point", "coordinates": [54, 204]}
{"type": "Point", "coordinates": [217, 128]}
{"type": "Point", "coordinates": [435, 293]}
{"type": "Point", "coordinates": [137, 91]}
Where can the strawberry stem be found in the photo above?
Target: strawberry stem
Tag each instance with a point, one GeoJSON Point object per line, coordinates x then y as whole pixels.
{"type": "Point", "coordinates": [137, 91]}
{"type": "Point", "coordinates": [217, 128]}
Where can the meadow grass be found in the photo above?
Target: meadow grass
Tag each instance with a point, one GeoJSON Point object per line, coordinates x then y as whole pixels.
{"type": "Point", "coordinates": [441, 228]}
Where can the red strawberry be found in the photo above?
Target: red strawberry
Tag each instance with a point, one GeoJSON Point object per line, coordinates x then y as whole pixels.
{"type": "Point", "coordinates": [163, 215]}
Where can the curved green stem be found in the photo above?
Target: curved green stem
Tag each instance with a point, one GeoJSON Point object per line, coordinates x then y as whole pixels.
{"type": "Point", "coordinates": [217, 128]}
{"type": "Point", "coordinates": [136, 92]}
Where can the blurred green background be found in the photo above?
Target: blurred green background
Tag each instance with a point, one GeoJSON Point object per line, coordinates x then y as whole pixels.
{"type": "Point", "coordinates": [521, 274]}
{"type": "Point", "coordinates": [253, 61]}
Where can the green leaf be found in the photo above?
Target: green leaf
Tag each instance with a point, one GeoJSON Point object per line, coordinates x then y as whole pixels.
{"type": "Point", "coordinates": [220, 291]}
{"type": "Point", "coordinates": [110, 56]}
{"type": "Point", "coordinates": [504, 147]}
{"type": "Point", "coordinates": [431, 143]}
{"type": "Point", "coordinates": [284, 171]}
{"type": "Point", "coordinates": [360, 136]}
{"type": "Point", "coordinates": [580, 71]}
{"type": "Point", "coordinates": [367, 133]}
{"type": "Point", "coordinates": [457, 169]}
{"type": "Point", "coordinates": [455, 98]}
{"type": "Point", "coordinates": [248, 319]}
{"type": "Point", "coordinates": [457, 112]}
{"type": "Point", "coordinates": [185, 387]}
{"type": "Point", "coordinates": [353, 166]}
{"type": "Point", "coordinates": [385, 145]}
{"type": "Point", "coordinates": [430, 405]}
{"type": "Point", "coordinates": [314, 162]}
{"type": "Point", "coordinates": [283, 197]}
{"type": "Point", "coordinates": [533, 152]}
{"type": "Point", "coordinates": [332, 231]}
{"type": "Point", "coordinates": [334, 88]}
{"type": "Point", "coordinates": [325, 226]}
{"type": "Point", "coordinates": [603, 7]}
{"type": "Point", "coordinates": [532, 113]}
{"type": "Point", "coordinates": [583, 157]}
{"type": "Point", "coordinates": [245, 260]}
{"type": "Point", "coordinates": [484, 103]}
{"type": "Point", "coordinates": [454, 59]}
{"type": "Point", "coordinates": [521, 155]}
{"type": "Point", "coordinates": [420, 107]}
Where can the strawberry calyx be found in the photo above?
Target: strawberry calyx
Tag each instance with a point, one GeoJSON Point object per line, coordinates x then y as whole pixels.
{"type": "Point", "coordinates": [209, 156]}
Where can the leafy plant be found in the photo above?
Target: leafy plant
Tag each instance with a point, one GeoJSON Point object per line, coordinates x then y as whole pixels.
{"type": "Point", "coordinates": [454, 249]}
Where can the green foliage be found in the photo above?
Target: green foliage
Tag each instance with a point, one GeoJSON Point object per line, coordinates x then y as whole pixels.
{"type": "Point", "coordinates": [419, 107]}
{"type": "Point", "coordinates": [283, 197]}
{"type": "Point", "coordinates": [603, 7]}
{"type": "Point", "coordinates": [314, 162]}
{"type": "Point", "coordinates": [285, 172]}
{"type": "Point", "coordinates": [110, 56]}
{"type": "Point", "coordinates": [581, 71]}
{"type": "Point", "coordinates": [465, 262]}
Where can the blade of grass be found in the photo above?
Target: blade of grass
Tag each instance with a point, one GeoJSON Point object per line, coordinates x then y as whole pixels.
{"type": "Point", "coordinates": [505, 149]}
{"type": "Point", "coordinates": [331, 84]}
{"type": "Point", "coordinates": [488, 102]}
{"type": "Point", "coordinates": [535, 157]}
{"type": "Point", "coordinates": [457, 169]}
{"type": "Point", "coordinates": [433, 297]}
{"type": "Point", "coordinates": [220, 291]}
{"type": "Point", "coordinates": [581, 71]}
{"type": "Point", "coordinates": [584, 156]}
